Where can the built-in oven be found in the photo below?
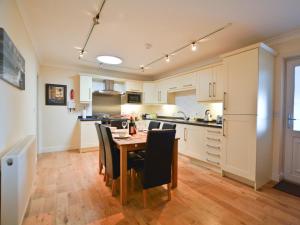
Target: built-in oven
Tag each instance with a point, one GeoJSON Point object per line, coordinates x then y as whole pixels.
{"type": "Point", "coordinates": [132, 97]}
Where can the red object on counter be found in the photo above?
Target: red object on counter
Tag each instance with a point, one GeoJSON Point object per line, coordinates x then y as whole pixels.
{"type": "Point", "coordinates": [72, 94]}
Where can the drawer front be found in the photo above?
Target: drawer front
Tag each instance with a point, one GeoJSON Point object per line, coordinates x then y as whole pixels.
{"type": "Point", "coordinates": [213, 146]}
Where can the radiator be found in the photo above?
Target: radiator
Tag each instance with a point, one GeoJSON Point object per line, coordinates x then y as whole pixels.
{"type": "Point", "coordinates": [18, 167]}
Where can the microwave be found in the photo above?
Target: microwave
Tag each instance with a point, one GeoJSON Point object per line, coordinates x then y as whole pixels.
{"type": "Point", "coordinates": [132, 97]}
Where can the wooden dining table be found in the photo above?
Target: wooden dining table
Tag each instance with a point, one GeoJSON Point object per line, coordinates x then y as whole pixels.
{"type": "Point", "coordinates": [134, 143]}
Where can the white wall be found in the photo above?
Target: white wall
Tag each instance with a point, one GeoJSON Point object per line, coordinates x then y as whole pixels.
{"type": "Point", "coordinates": [17, 108]}
{"type": "Point", "coordinates": [59, 128]}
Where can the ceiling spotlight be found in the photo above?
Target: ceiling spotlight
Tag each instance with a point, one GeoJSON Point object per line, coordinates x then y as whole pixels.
{"type": "Point", "coordinates": [107, 59]}
{"type": "Point", "coordinates": [142, 68]}
{"type": "Point", "coordinates": [96, 19]}
{"type": "Point", "coordinates": [167, 58]}
{"type": "Point", "coordinates": [81, 54]}
{"type": "Point", "coordinates": [194, 46]}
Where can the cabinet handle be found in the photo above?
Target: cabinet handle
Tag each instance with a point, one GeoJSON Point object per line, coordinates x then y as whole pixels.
{"type": "Point", "coordinates": [224, 127]}
{"type": "Point", "coordinates": [224, 101]}
{"type": "Point", "coordinates": [171, 88]}
{"type": "Point", "coordinates": [187, 85]}
{"type": "Point", "coordinates": [90, 97]}
{"type": "Point", "coordinates": [213, 162]}
{"type": "Point", "coordinates": [214, 89]}
{"type": "Point", "coordinates": [214, 154]}
{"type": "Point", "coordinates": [214, 132]}
{"type": "Point", "coordinates": [214, 147]}
{"type": "Point", "coordinates": [184, 134]}
{"type": "Point", "coordinates": [209, 90]}
{"type": "Point", "coordinates": [213, 139]}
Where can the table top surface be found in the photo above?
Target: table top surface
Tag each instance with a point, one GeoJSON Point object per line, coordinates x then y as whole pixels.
{"type": "Point", "coordinates": [138, 138]}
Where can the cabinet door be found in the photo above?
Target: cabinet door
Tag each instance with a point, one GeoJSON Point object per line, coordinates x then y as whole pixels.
{"type": "Point", "coordinates": [204, 85]}
{"type": "Point", "coordinates": [241, 83]}
{"type": "Point", "coordinates": [86, 86]}
{"type": "Point", "coordinates": [136, 86]}
{"type": "Point", "coordinates": [195, 142]}
{"type": "Point", "coordinates": [218, 82]}
{"type": "Point", "coordinates": [188, 81]}
{"type": "Point", "coordinates": [150, 93]}
{"type": "Point", "coordinates": [239, 150]}
{"type": "Point", "coordinates": [88, 135]}
{"type": "Point", "coordinates": [181, 133]}
{"type": "Point", "coordinates": [162, 92]}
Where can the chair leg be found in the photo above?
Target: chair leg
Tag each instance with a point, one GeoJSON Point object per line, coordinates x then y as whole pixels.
{"type": "Point", "coordinates": [145, 197]}
{"type": "Point", "coordinates": [132, 179]}
{"type": "Point", "coordinates": [107, 180]}
{"type": "Point", "coordinates": [169, 191]}
{"type": "Point", "coordinates": [113, 187]}
{"type": "Point", "coordinates": [100, 168]}
{"type": "Point", "coordinates": [104, 177]}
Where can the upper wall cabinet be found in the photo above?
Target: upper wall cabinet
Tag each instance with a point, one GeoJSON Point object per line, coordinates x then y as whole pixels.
{"type": "Point", "coordinates": [241, 83]}
{"type": "Point", "coordinates": [182, 83]}
{"type": "Point", "coordinates": [150, 93]}
{"type": "Point", "coordinates": [135, 86]}
{"type": "Point", "coordinates": [210, 84]}
{"type": "Point", "coordinates": [86, 86]}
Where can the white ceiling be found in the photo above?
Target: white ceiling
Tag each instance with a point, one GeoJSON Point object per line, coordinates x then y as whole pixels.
{"type": "Point", "coordinates": [57, 26]}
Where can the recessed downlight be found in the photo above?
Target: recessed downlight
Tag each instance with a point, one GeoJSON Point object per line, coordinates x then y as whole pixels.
{"type": "Point", "coordinates": [107, 59]}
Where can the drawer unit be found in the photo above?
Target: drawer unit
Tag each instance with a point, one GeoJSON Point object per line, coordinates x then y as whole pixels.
{"type": "Point", "coordinates": [213, 146]}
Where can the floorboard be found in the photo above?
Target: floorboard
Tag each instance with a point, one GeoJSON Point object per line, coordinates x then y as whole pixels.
{"type": "Point", "coordinates": [69, 190]}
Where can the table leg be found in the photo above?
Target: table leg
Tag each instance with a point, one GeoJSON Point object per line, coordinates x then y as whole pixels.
{"type": "Point", "coordinates": [175, 164]}
{"type": "Point", "coordinates": [123, 175]}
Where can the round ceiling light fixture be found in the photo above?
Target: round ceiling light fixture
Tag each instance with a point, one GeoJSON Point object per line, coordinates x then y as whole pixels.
{"type": "Point", "coordinates": [107, 59]}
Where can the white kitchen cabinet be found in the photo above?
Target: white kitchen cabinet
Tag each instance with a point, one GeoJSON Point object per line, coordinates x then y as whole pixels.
{"type": "Point", "coordinates": [248, 114]}
{"type": "Point", "coordinates": [182, 83]}
{"type": "Point", "coordinates": [162, 92]}
{"type": "Point", "coordinates": [135, 86]}
{"type": "Point", "coordinates": [239, 141]}
{"type": "Point", "coordinates": [88, 136]}
{"type": "Point", "coordinates": [150, 93]}
{"type": "Point", "coordinates": [241, 83]}
{"type": "Point", "coordinates": [195, 141]}
{"type": "Point", "coordinates": [213, 146]}
{"type": "Point", "coordinates": [191, 140]}
{"type": "Point", "coordinates": [210, 84]}
{"type": "Point", "coordinates": [86, 87]}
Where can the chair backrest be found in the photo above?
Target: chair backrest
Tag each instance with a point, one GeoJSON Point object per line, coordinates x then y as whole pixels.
{"type": "Point", "coordinates": [117, 124]}
{"type": "Point", "coordinates": [112, 156]}
{"type": "Point", "coordinates": [153, 125]}
{"type": "Point", "coordinates": [158, 158]}
{"type": "Point", "coordinates": [101, 143]}
{"type": "Point", "coordinates": [169, 126]}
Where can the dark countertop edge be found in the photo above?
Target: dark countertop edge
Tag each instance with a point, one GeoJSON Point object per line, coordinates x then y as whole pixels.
{"type": "Point", "coordinates": [203, 124]}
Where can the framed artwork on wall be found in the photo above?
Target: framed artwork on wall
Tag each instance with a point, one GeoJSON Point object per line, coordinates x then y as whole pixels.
{"type": "Point", "coordinates": [56, 94]}
{"type": "Point", "coordinates": [12, 63]}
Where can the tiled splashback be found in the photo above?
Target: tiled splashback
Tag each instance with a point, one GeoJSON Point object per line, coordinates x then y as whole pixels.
{"type": "Point", "coordinates": [184, 101]}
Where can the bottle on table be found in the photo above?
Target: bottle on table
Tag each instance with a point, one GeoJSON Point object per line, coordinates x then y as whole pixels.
{"type": "Point", "coordinates": [132, 127]}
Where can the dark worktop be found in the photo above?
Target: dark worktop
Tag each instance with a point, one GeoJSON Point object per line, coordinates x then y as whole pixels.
{"type": "Point", "coordinates": [182, 121]}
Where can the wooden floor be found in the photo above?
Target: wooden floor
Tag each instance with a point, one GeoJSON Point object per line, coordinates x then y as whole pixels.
{"type": "Point", "coordinates": [69, 190]}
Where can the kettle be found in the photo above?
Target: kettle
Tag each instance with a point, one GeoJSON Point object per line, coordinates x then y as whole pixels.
{"type": "Point", "coordinates": [207, 116]}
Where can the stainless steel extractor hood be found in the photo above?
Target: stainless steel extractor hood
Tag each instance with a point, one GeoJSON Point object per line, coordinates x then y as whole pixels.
{"type": "Point", "coordinates": [108, 89]}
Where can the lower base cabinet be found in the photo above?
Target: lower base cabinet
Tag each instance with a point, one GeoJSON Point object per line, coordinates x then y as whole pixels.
{"type": "Point", "coordinates": [88, 136]}
{"type": "Point", "coordinates": [202, 143]}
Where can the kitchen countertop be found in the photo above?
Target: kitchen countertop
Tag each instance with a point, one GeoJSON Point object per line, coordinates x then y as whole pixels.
{"type": "Point", "coordinates": [182, 121]}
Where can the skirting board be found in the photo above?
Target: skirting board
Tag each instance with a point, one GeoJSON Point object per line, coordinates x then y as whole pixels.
{"type": "Point", "coordinates": [57, 149]}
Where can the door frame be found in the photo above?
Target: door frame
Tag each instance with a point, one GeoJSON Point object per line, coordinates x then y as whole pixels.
{"type": "Point", "coordinates": [287, 106]}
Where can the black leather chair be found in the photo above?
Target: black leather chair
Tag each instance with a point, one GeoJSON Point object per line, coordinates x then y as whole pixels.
{"type": "Point", "coordinates": [117, 124]}
{"type": "Point", "coordinates": [102, 162]}
{"type": "Point", "coordinates": [153, 125]}
{"type": "Point", "coordinates": [112, 156]}
{"type": "Point", "coordinates": [156, 169]}
{"type": "Point", "coordinates": [169, 126]}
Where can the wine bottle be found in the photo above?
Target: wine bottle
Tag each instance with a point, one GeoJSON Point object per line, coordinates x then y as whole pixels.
{"type": "Point", "coordinates": [131, 126]}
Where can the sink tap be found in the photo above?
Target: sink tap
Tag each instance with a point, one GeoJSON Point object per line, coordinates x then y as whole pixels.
{"type": "Point", "coordinates": [184, 115]}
